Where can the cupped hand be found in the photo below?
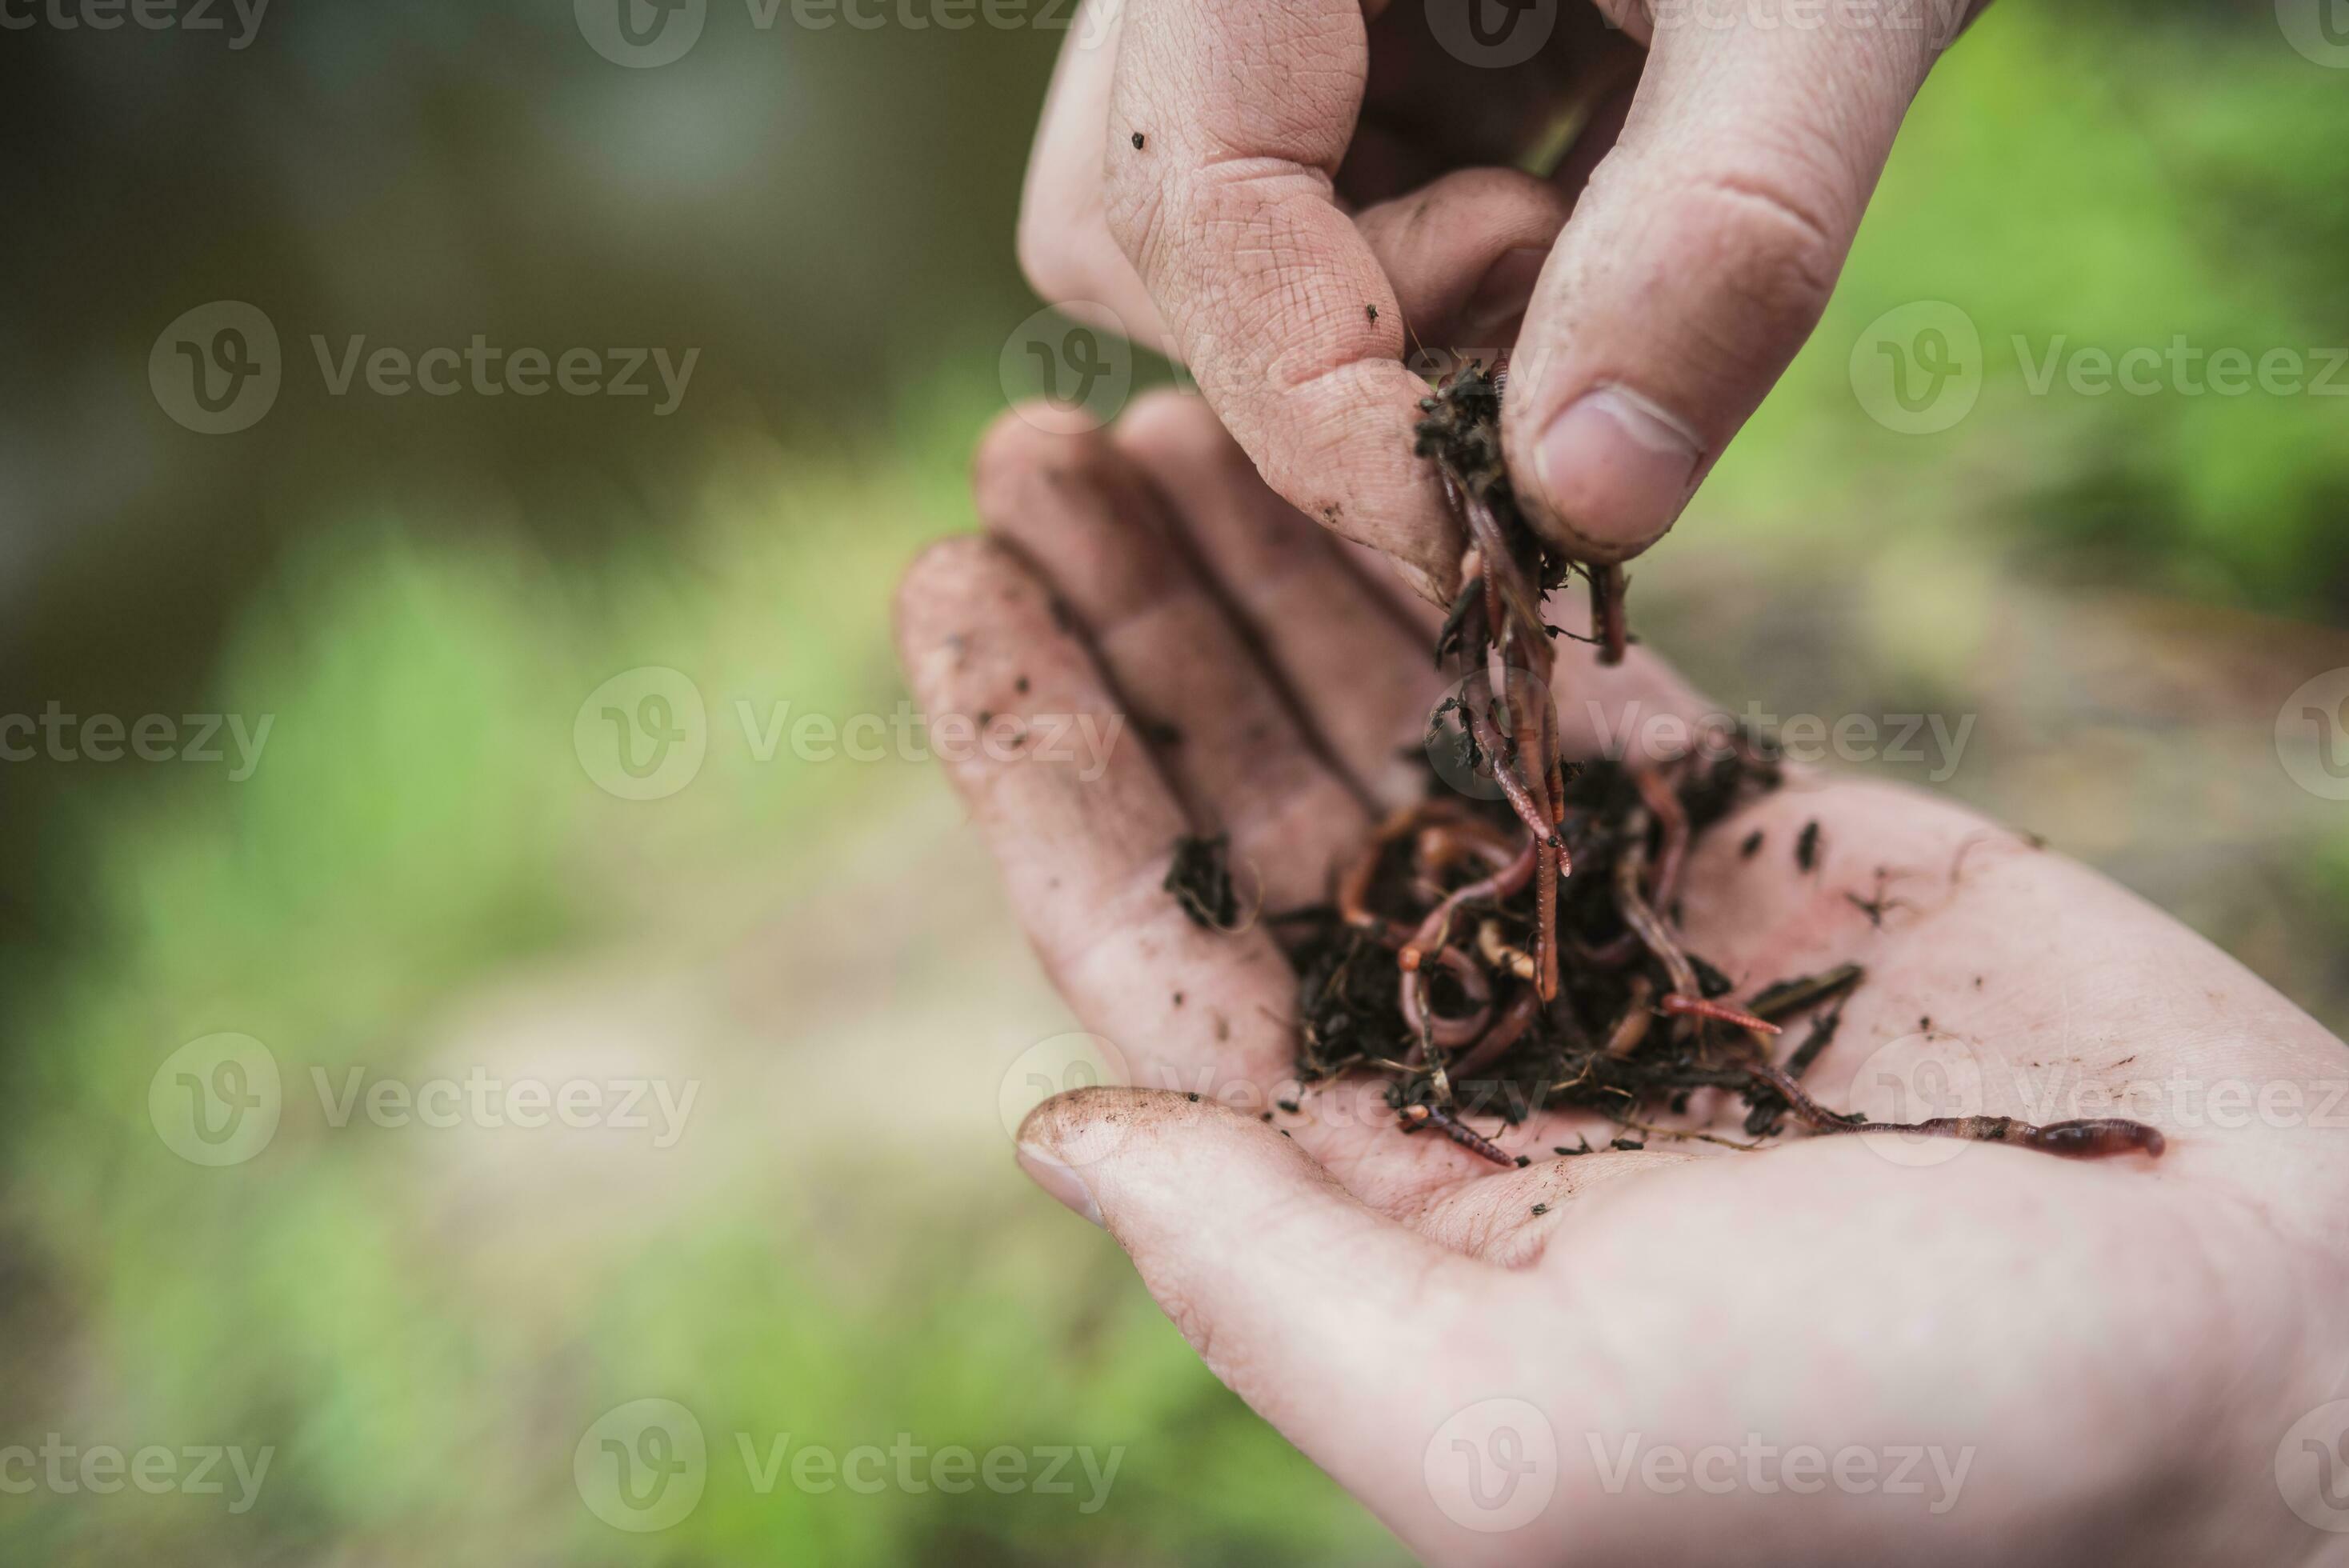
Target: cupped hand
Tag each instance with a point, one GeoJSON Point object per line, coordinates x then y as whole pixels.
{"type": "Point", "coordinates": [1289, 197]}
{"type": "Point", "coordinates": [1638, 1355]}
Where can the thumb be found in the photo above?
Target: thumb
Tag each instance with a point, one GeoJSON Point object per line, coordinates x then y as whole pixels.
{"type": "Point", "coordinates": [1312, 1307]}
{"type": "Point", "coordinates": [1697, 260]}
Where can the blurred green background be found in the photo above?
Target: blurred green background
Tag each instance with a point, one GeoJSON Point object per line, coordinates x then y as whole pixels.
{"type": "Point", "coordinates": [419, 879]}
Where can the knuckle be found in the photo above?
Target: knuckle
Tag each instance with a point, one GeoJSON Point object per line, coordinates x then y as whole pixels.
{"type": "Point", "coordinates": [941, 574]}
{"type": "Point", "coordinates": [1777, 247]}
{"type": "Point", "coordinates": [1177, 423]}
{"type": "Point", "coordinates": [1134, 213]}
{"type": "Point", "coordinates": [1017, 447]}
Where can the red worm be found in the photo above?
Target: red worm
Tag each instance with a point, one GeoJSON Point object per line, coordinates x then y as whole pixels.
{"type": "Point", "coordinates": [1704, 1008]}
{"type": "Point", "coordinates": [2088, 1138]}
{"type": "Point", "coordinates": [1428, 1024]}
{"type": "Point", "coordinates": [1607, 614]}
{"type": "Point", "coordinates": [1641, 916]}
{"type": "Point", "coordinates": [1502, 884]}
{"type": "Point", "coordinates": [1664, 803]}
{"type": "Point", "coordinates": [1515, 1020]}
{"type": "Point", "coordinates": [1521, 801]}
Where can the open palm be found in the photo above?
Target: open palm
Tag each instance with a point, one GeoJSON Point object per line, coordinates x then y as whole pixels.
{"type": "Point", "coordinates": [1635, 1353]}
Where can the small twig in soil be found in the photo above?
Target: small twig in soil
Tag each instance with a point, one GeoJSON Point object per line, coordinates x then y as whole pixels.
{"type": "Point", "coordinates": [1415, 1116]}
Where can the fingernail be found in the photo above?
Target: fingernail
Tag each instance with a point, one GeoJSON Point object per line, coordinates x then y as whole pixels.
{"type": "Point", "coordinates": [1060, 1181]}
{"type": "Point", "coordinates": [1616, 468]}
{"type": "Point", "coordinates": [1497, 307]}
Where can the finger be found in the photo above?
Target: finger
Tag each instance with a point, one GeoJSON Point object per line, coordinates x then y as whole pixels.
{"type": "Point", "coordinates": [1238, 759]}
{"type": "Point", "coordinates": [1082, 834]}
{"type": "Point", "coordinates": [1697, 262]}
{"type": "Point", "coordinates": [1463, 255]}
{"type": "Point", "coordinates": [1270, 293]}
{"type": "Point", "coordinates": [1064, 244]}
{"type": "Point", "coordinates": [1363, 681]}
{"type": "Point", "coordinates": [1308, 1304]}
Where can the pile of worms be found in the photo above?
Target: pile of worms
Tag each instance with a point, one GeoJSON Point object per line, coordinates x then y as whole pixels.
{"type": "Point", "coordinates": [1515, 946]}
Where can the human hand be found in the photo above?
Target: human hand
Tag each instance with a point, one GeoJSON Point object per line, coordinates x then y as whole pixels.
{"type": "Point", "coordinates": [2104, 1356]}
{"type": "Point", "coordinates": [1285, 197]}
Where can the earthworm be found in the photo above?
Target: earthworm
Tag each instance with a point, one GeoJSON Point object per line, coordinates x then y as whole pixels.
{"type": "Point", "coordinates": [1722, 1012]}
{"type": "Point", "coordinates": [1632, 1027]}
{"type": "Point", "coordinates": [1640, 917]}
{"type": "Point", "coordinates": [1502, 884]}
{"type": "Point", "coordinates": [2086, 1139]}
{"type": "Point", "coordinates": [1607, 612]}
{"type": "Point", "coordinates": [1664, 804]}
{"type": "Point", "coordinates": [1434, 1027]}
{"type": "Point", "coordinates": [1521, 801]}
{"type": "Point", "coordinates": [1506, 1031]}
